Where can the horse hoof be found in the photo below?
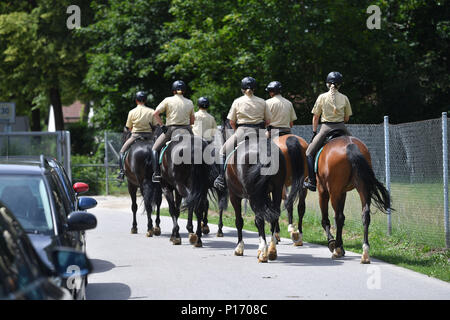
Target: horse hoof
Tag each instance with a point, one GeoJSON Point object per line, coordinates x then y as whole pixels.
{"type": "Point", "coordinates": [219, 234]}
{"type": "Point", "coordinates": [134, 230]}
{"type": "Point", "coordinates": [262, 257]}
{"type": "Point", "coordinates": [198, 244]}
{"type": "Point", "coordinates": [295, 235]}
{"type": "Point", "coordinates": [272, 252]}
{"type": "Point", "coordinates": [149, 233]}
{"type": "Point", "coordinates": [331, 245]}
{"type": "Point", "coordinates": [176, 241]}
{"type": "Point", "coordinates": [192, 238]}
{"type": "Point", "coordinates": [365, 261]}
{"type": "Point", "coordinates": [205, 229]}
{"type": "Point", "coordinates": [298, 243]}
{"type": "Point", "coordinates": [157, 231]}
{"type": "Point", "coordinates": [337, 253]}
{"type": "Point", "coordinates": [238, 253]}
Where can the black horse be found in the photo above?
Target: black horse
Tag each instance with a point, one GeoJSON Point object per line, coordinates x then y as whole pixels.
{"type": "Point", "coordinates": [138, 170]}
{"type": "Point", "coordinates": [245, 179]}
{"type": "Point", "coordinates": [185, 174]}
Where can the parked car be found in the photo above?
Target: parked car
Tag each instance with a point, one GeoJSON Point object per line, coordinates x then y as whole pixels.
{"type": "Point", "coordinates": [35, 192]}
{"type": "Point", "coordinates": [23, 275]}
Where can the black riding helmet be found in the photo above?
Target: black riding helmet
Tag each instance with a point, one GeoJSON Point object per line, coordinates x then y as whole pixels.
{"type": "Point", "coordinates": [335, 78]}
{"type": "Point", "coordinates": [141, 96]}
{"type": "Point", "coordinates": [248, 83]}
{"type": "Point", "coordinates": [179, 85]}
{"type": "Point", "coordinates": [203, 102]}
{"type": "Point", "coordinates": [274, 86]}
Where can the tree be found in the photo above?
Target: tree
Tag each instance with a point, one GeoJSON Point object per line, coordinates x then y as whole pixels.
{"type": "Point", "coordinates": [41, 60]}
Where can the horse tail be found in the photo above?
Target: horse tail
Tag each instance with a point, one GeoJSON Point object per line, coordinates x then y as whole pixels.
{"type": "Point", "coordinates": [297, 167]}
{"type": "Point", "coordinates": [364, 175]}
{"type": "Point", "coordinates": [199, 183]}
{"type": "Point", "coordinates": [153, 192]}
{"type": "Point", "coordinates": [257, 187]}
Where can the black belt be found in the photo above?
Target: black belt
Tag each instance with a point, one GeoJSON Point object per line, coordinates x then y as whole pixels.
{"type": "Point", "coordinates": [250, 125]}
{"type": "Point", "coordinates": [332, 122]}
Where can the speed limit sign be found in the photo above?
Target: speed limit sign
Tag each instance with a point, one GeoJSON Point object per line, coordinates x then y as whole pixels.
{"type": "Point", "coordinates": [7, 112]}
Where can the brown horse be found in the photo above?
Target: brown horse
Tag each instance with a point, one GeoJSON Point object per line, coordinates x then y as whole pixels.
{"type": "Point", "coordinates": [293, 148]}
{"type": "Point", "coordinates": [344, 165]}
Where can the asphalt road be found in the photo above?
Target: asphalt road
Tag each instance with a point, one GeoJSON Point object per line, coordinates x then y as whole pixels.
{"type": "Point", "coordinates": [132, 266]}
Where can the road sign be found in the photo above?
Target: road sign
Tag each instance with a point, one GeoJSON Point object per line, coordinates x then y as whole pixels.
{"type": "Point", "coordinates": [7, 112]}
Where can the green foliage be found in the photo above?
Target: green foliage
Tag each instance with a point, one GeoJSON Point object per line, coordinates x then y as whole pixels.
{"type": "Point", "coordinates": [82, 138]}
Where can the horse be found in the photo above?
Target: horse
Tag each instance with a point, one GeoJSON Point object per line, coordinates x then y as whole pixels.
{"type": "Point", "coordinates": [138, 170]}
{"type": "Point", "coordinates": [264, 191]}
{"type": "Point", "coordinates": [186, 178]}
{"type": "Point", "coordinates": [345, 164]}
{"type": "Point", "coordinates": [293, 148]}
{"type": "Point", "coordinates": [222, 199]}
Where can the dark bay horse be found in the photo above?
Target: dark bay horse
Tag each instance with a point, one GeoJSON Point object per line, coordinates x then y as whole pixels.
{"type": "Point", "coordinates": [138, 170]}
{"type": "Point", "coordinates": [344, 165]}
{"type": "Point", "coordinates": [185, 175]}
{"type": "Point", "coordinates": [293, 148]}
{"type": "Point", "coordinates": [261, 182]}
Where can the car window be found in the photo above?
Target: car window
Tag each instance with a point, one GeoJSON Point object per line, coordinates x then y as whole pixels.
{"type": "Point", "coordinates": [68, 202]}
{"type": "Point", "coordinates": [27, 198]}
{"type": "Point", "coordinates": [16, 272]}
{"type": "Point", "coordinates": [62, 207]}
{"type": "Point", "coordinates": [65, 180]}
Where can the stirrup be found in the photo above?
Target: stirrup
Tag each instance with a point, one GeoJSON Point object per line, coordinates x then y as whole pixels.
{"type": "Point", "coordinates": [219, 183]}
{"type": "Point", "coordinates": [309, 186]}
{"type": "Point", "coordinates": [156, 179]}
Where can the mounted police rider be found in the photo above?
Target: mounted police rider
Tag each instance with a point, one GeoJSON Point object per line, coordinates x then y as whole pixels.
{"type": "Point", "coordinates": [179, 118]}
{"type": "Point", "coordinates": [205, 125]}
{"type": "Point", "coordinates": [140, 121]}
{"type": "Point", "coordinates": [334, 110]}
{"type": "Point", "coordinates": [247, 115]}
{"type": "Point", "coordinates": [283, 113]}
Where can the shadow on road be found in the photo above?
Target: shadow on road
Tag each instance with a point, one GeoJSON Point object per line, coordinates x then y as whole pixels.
{"type": "Point", "coordinates": [101, 265]}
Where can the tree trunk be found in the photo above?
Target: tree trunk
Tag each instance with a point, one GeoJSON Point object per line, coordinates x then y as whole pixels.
{"type": "Point", "coordinates": [55, 100]}
{"type": "Point", "coordinates": [36, 120]}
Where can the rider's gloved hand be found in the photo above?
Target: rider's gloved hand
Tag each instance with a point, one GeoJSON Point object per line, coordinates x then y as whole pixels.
{"type": "Point", "coordinates": [164, 129]}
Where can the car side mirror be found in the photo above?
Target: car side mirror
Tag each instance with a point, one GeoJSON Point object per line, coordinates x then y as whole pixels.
{"type": "Point", "coordinates": [69, 262]}
{"type": "Point", "coordinates": [80, 187]}
{"type": "Point", "coordinates": [86, 203]}
{"type": "Point", "coordinates": [81, 220]}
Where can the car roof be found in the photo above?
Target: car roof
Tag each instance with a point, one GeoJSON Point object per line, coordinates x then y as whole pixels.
{"type": "Point", "coordinates": [23, 165]}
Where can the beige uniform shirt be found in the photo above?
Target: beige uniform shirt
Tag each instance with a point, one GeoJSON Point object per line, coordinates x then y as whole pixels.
{"type": "Point", "coordinates": [249, 110]}
{"type": "Point", "coordinates": [178, 110]}
{"type": "Point", "coordinates": [205, 125]}
{"type": "Point", "coordinates": [283, 112]}
{"type": "Point", "coordinates": [139, 119]}
{"type": "Point", "coordinates": [324, 107]}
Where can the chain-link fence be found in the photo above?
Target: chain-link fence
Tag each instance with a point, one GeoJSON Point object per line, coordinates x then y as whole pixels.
{"type": "Point", "coordinates": [416, 177]}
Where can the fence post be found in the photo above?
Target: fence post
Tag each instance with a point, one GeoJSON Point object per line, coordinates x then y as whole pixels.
{"type": "Point", "coordinates": [387, 162]}
{"type": "Point", "coordinates": [106, 164]}
{"type": "Point", "coordinates": [445, 175]}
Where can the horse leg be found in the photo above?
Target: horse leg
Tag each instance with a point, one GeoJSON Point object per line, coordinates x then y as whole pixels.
{"type": "Point", "coordinates": [324, 197]}
{"type": "Point", "coordinates": [277, 197]}
{"type": "Point", "coordinates": [205, 228]}
{"type": "Point", "coordinates": [199, 214]}
{"type": "Point", "coordinates": [132, 191]}
{"type": "Point", "coordinates": [263, 251]}
{"type": "Point", "coordinates": [158, 197]}
{"type": "Point", "coordinates": [366, 222]}
{"type": "Point", "coordinates": [301, 208]}
{"type": "Point", "coordinates": [190, 227]}
{"type": "Point", "coordinates": [173, 214]}
{"type": "Point", "coordinates": [338, 206]}
{"type": "Point", "coordinates": [147, 194]}
{"type": "Point", "coordinates": [221, 208]}
{"type": "Point", "coordinates": [237, 205]}
{"type": "Point", "coordinates": [176, 228]}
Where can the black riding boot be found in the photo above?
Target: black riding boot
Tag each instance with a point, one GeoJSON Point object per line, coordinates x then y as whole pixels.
{"type": "Point", "coordinates": [156, 169]}
{"type": "Point", "coordinates": [219, 183]}
{"type": "Point", "coordinates": [121, 175]}
{"type": "Point", "coordinates": [311, 183]}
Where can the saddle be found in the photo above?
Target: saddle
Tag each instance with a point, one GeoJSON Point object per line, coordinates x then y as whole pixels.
{"type": "Point", "coordinates": [336, 133]}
